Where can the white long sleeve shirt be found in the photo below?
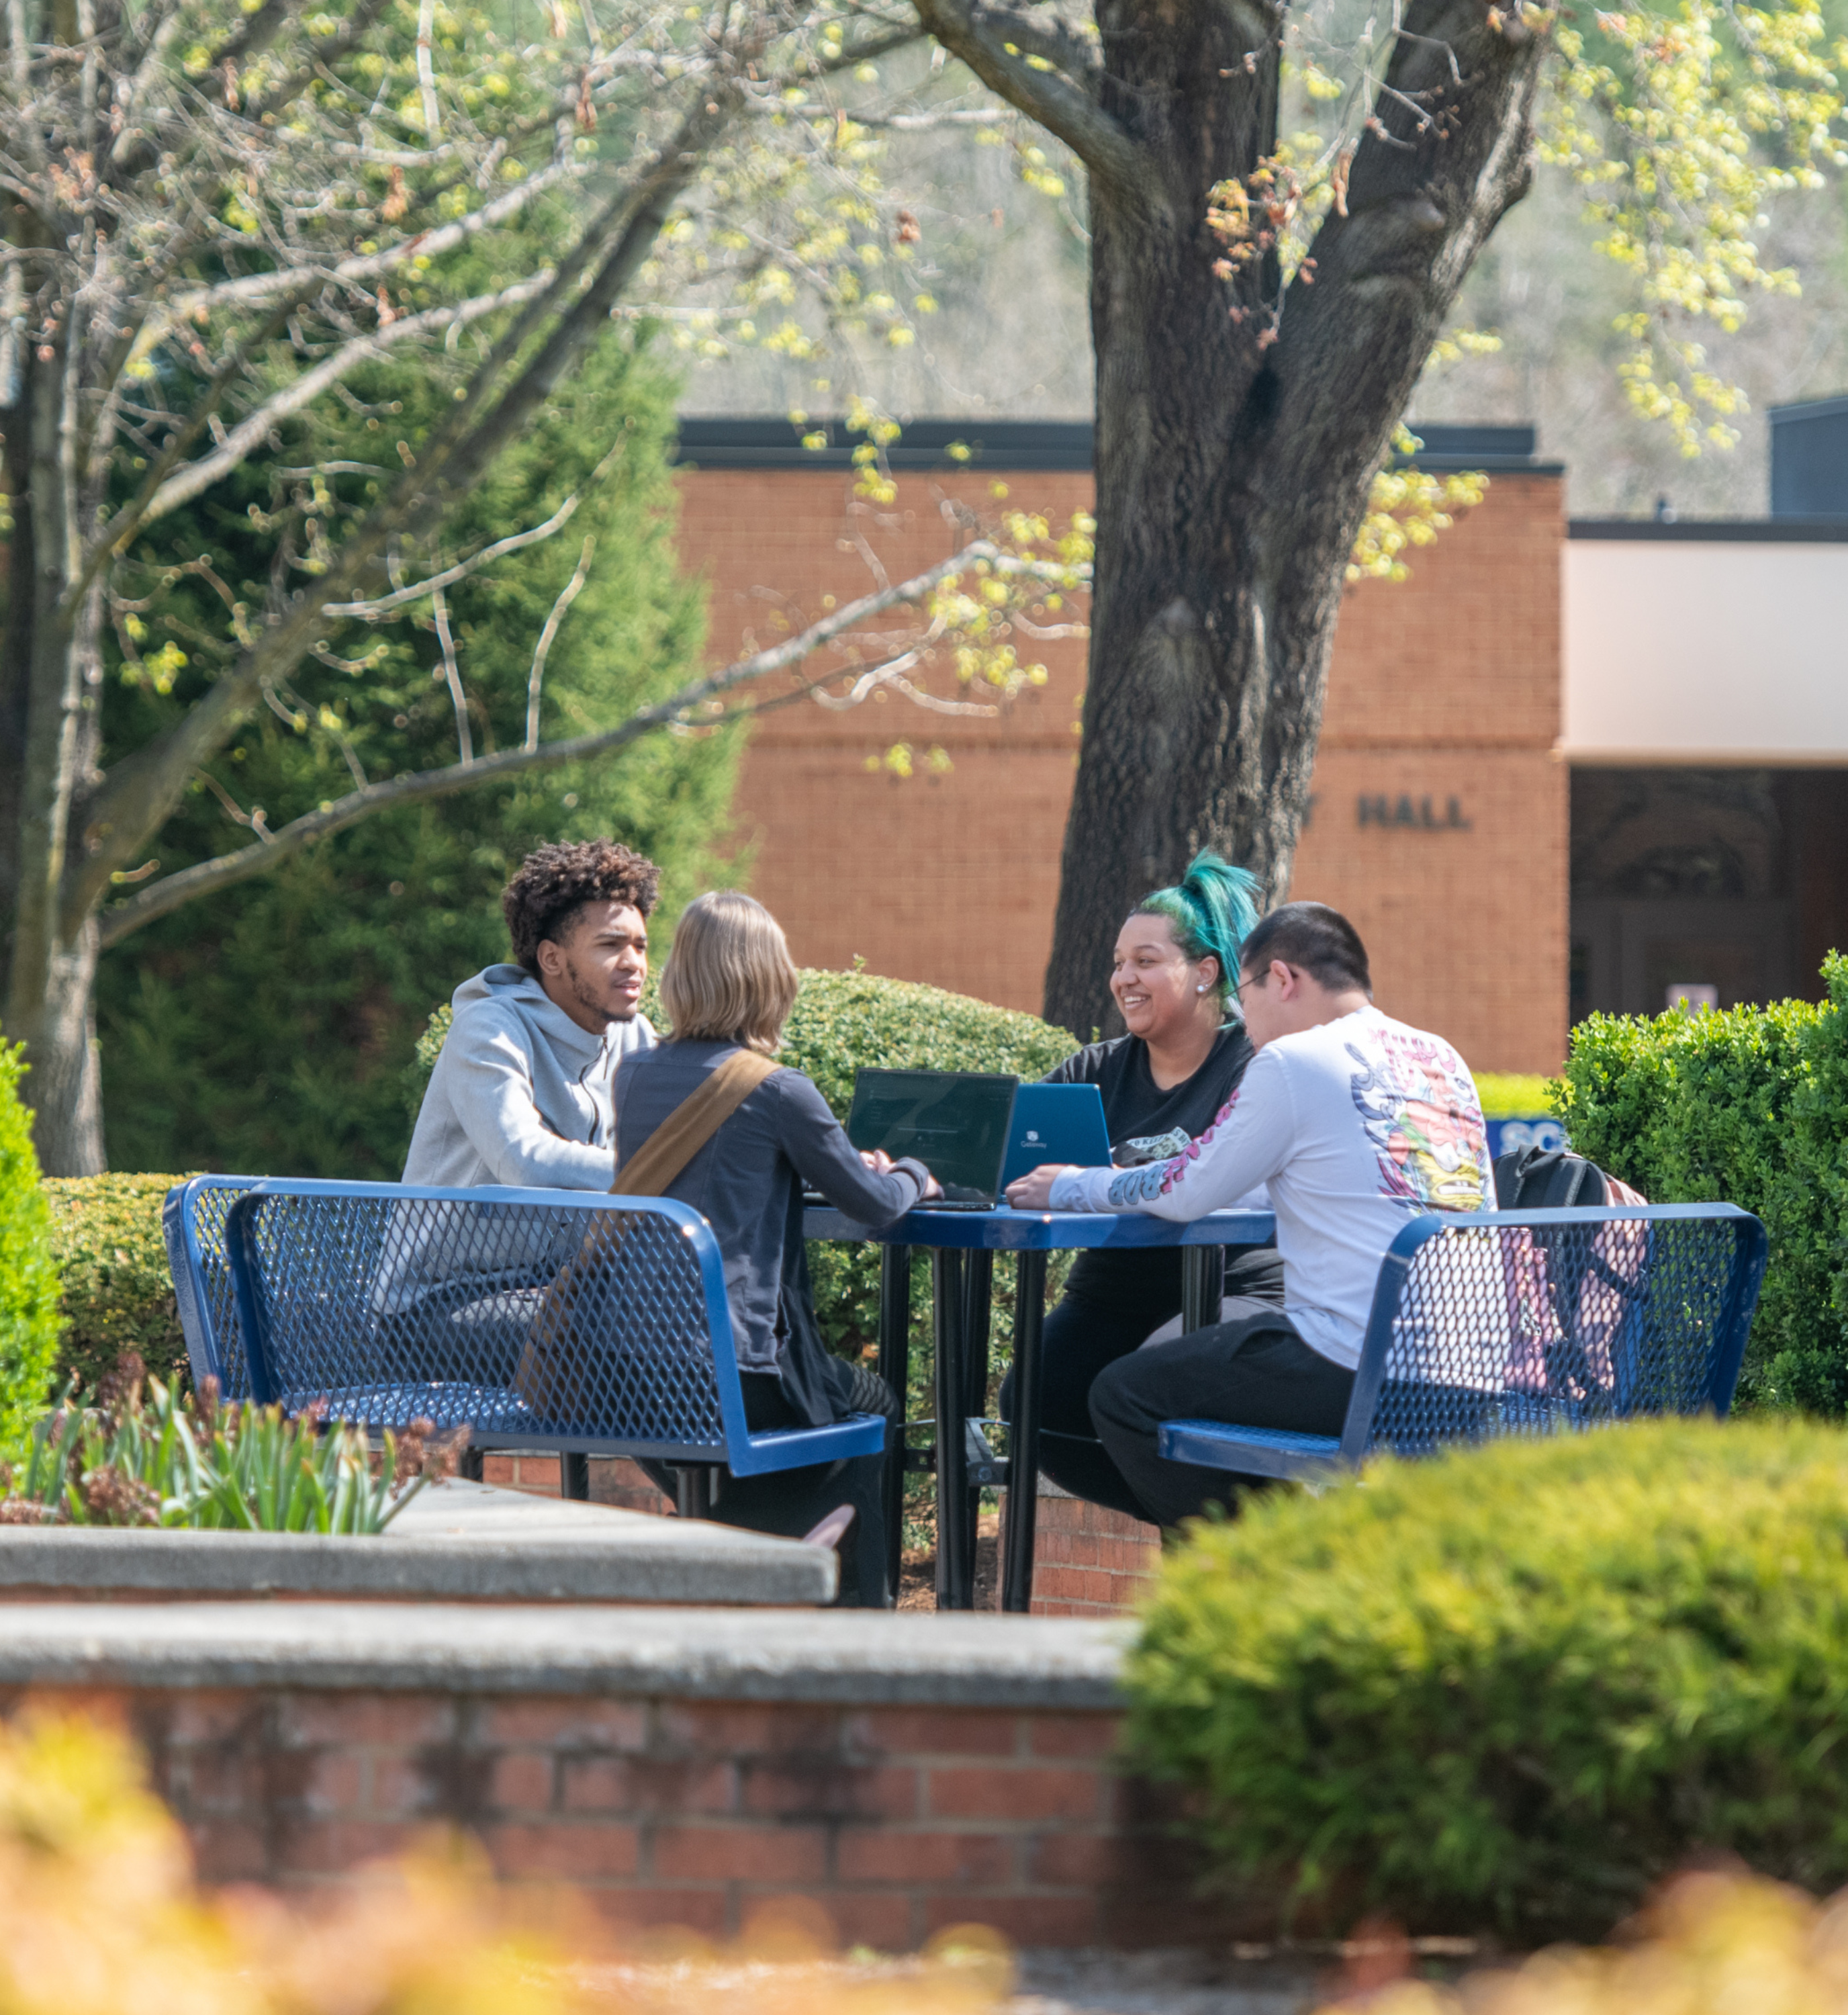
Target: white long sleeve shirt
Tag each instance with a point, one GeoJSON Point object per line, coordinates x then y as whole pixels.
{"type": "Point", "coordinates": [1352, 1128]}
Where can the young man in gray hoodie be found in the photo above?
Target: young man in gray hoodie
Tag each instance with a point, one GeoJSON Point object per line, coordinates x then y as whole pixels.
{"type": "Point", "coordinates": [521, 1094]}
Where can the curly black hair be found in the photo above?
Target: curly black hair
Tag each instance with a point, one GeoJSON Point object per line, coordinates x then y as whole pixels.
{"type": "Point", "coordinates": [556, 882]}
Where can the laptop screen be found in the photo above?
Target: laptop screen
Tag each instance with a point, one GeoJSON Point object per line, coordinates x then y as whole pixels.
{"type": "Point", "coordinates": [954, 1121]}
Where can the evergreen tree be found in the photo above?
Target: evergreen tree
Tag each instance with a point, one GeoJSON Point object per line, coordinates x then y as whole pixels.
{"type": "Point", "coordinates": [268, 1027]}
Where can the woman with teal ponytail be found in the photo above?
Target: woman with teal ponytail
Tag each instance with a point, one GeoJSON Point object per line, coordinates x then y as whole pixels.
{"type": "Point", "coordinates": [1174, 979]}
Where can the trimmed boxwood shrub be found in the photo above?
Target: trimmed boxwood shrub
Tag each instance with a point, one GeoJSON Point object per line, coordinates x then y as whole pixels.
{"type": "Point", "coordinates": [28, 1278]}
{"type": "Point", "coordinates": [1748, 1107]}
{"type": "Point", "coordinates": [1516, 1686]}
{"type": "Point", "coordinates": [118, 1294]}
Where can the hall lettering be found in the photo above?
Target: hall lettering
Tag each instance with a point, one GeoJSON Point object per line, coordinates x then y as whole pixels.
{"type": "Point", "coordinates": [1380, 809]}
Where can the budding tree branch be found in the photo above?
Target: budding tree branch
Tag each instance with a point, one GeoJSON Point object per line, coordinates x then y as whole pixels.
{"type": "Point", "coordinates": [677, 710]}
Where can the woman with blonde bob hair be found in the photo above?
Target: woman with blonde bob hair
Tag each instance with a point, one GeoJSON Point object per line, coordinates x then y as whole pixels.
{"type": "Point", "coordinates": [728, 986]}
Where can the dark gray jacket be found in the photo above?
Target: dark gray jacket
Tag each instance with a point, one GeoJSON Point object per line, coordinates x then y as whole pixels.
{"type": "Point", "coordinates": [747, 1183]}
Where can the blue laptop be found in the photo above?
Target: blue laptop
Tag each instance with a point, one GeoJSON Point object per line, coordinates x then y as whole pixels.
{"type": "Point", "coordinates": [1055, 1123]}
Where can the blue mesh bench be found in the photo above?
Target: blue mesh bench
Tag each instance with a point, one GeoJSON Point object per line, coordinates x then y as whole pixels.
{"type": "Point", "coordinates": [192, 1220]}
{"type": "Point", "coordinates": [1534, 1323]}
{"type": "Point", "coordinates": [389, 1304]}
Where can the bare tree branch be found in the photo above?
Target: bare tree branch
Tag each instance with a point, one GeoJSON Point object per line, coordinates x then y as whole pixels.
{"type": "Point", "coordinates": [980, 35]}
{"type": "Point", "coordinates": [370, 611]}
{"type": "Point", "coordinates": [160, 897]}
{"type": "Point", "coordinates": [535, 678]}
{"type": "Point", "coordinates": [457, 698]}
{"type": "Point", "coordinates": [249, 290]}
{"type": "Point", "coordinates": [188, 483]}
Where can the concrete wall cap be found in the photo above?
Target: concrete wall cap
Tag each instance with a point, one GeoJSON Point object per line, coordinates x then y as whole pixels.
{"type": "Point", "coordinates": [455, 1540]}
{"type": "Point", "coordinates": [844, 1657]}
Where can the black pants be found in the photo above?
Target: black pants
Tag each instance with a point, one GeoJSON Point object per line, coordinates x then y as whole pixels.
{"type": "Point", "coordinates": [1112, 1301]}
{"type": "Point", "coordinates": [791, 1502]}
{"type": "Point", "coordinates": [1256, 1372]}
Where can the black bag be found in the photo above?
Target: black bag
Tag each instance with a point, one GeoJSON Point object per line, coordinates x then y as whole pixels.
{"type": "Point", "coordinates": [1548, 1178]}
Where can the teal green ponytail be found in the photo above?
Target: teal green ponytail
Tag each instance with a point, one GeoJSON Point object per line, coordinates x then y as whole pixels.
{"type": "Point", "coordinates": [1212, 908]}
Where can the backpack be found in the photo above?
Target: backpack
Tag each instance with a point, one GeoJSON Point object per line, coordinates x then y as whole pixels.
{"type": "Point", "coordinates": [1548, 1178]}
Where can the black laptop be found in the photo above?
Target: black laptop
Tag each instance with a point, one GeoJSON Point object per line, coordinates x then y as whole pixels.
{"type": "Point", "coordinates": [956, 1123]}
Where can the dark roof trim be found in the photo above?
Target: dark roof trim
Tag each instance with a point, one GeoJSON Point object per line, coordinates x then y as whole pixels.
{"type": "Point", "coordinates": [1813, 409]}
{"type": "Point", "coordinates": [1715, 531]}
{"type": "Point", "coordinates": [729, 442]}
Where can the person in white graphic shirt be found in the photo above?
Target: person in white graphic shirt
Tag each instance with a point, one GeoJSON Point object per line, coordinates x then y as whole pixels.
{"type": "Point", "coordinates": [1350, 1122]}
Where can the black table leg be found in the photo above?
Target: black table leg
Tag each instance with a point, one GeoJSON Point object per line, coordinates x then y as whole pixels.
{"type": "Point", "coordinates": [1203, 1272]}
{"type": "Point", "coordinates": [979, 1282]}
{"type": "Point", "coordinates": [894, 1368]}
{"type": "Point", "coordinates": [954, 1581]}
{"type": "Point", "coordinates": [1023, 1434]}
{"type": "Point", "coordinates": [574, 1477]}
{"type": "Point", "coordinates": [693, 1489]}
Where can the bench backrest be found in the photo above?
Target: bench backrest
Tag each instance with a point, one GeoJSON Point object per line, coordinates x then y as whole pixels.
{"type": "Point", "coordinates": [192, 1220]}
{"type": "Point", "coordinates": [393, 1304]}
{"type": "Point", "coordinates": [1528, 1322]}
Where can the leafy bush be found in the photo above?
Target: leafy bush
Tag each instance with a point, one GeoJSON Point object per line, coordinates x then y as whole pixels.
{"type": "Point", "coordinates": [1748, 1107]}
{"type": "Point", "coordinates": [1519, 1684]}
{"type": "Point", "coordinates": [118, 1293]}
{"type": "Point", "coordinates": [100, 1913]}
{"type": "Point", "coordinates": [181, 1462]}
{"type": "Point", "coordinates": [28, 1273]}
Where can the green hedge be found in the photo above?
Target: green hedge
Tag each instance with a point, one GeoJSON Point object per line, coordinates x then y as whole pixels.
{"type": "Point", "coordinates": [28, 1280]}
{"type": "Point", "coordinates": [1512, 1094]}
{"type": "Point", "coordinates": [1748, 1107]}
{"type": "Point", "coordinates": [118, 1294]}
{"type": "Point", "coordinates": [1516, 1687]}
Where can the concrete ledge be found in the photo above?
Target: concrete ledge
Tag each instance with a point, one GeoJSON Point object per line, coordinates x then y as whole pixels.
{"type": "Point", "coordinates": [835, 1656]}
{"type": "Point", "coordinates": [458, 1542]}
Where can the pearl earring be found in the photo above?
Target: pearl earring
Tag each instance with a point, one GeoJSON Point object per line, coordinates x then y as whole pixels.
{"type": "Point", "coordinates": [1199, 990]}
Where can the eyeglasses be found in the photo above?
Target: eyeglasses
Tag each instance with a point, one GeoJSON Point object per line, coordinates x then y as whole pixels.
{"type": "Point", "coordinates": [1257, 979]}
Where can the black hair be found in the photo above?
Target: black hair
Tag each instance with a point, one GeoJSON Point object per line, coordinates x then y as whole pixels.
{"type": "Point", "coordinates": [554, 882]}
{"type": "Point", "coordinates": [1311, 937]}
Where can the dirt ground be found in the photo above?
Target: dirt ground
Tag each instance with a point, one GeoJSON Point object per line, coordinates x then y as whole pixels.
{"type": "Point", "coordinates": [917, 1584]}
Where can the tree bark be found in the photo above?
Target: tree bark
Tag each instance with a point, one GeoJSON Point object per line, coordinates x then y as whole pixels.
{"type": "Point", "coordinates": [1235, 451]}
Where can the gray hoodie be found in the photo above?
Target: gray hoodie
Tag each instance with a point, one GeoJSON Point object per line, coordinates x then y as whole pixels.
{"type": "Point", "coordinates": [520, 1095]}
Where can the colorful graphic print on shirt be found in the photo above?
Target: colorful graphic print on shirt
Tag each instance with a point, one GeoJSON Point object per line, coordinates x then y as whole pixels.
{"type": "Point", "coordinates": [1135, 1187]}
{"type": "Point", "coordinates": [1151, 1148]}
{"type": "Point", "coordinates": [1418, 1103]}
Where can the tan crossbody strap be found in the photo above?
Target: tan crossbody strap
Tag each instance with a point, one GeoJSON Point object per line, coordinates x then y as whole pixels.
{"type": "Point", "coordinates": [692, 1124]}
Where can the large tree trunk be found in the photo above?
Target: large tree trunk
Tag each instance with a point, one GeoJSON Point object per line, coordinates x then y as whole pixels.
{"type": "Point", "coordinates": [50, 698]}
{"type": "Point", "coordinates": [1235, 451]}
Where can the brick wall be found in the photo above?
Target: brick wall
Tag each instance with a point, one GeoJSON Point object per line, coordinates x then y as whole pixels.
{"type": "Point", "coordinates": [1444, 686]}
{"type": "Point", "coordinates": [1087, 1560]}
{"type": "Point", "coordinates": [897, 1822]}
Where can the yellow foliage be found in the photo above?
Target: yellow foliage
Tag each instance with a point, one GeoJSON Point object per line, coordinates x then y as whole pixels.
{"type": "Point", "coordinates": [1716, 1944]}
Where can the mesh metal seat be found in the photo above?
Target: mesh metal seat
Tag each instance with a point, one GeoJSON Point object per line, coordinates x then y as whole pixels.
{"type": "Point", "coordinates": [192, 1218]}
{"type": "Point", "coordinates": [1533, 1323]}
{"type": "Point", "coordinates": [540, 1319]}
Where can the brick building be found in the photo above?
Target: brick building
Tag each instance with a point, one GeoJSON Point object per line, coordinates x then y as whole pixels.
{"type": "Point", "coordinates": [1440, 816]}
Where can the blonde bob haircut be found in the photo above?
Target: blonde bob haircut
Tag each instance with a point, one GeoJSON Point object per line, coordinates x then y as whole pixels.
{"type": "Point", "coordinates": [729, 978]}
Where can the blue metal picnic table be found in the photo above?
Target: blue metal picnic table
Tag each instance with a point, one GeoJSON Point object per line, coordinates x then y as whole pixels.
{"type": "Point", "coordinates": [962, 1245]}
